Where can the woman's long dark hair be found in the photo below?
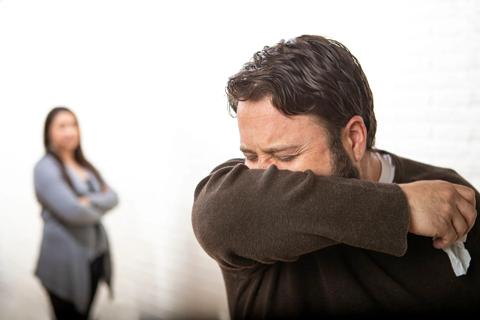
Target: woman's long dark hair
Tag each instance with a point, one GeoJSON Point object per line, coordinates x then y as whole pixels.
{"type": "Point", "coordinates": [78, 153]}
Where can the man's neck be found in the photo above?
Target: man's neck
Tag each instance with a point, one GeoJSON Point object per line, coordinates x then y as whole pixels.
{"type": "Point", "coordinates": [370, 167]}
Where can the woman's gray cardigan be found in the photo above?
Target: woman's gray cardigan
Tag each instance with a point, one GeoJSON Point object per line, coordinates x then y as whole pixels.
{"type": "Point", "coordinates": [73, 234]}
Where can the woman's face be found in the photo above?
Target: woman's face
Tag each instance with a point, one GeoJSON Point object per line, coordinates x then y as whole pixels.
{"type": "Point", "coordinates": [64, 133]}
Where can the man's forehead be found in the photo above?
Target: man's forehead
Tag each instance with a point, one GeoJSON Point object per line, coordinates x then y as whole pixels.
{"type": "Point", "coordinates": [262, 125]}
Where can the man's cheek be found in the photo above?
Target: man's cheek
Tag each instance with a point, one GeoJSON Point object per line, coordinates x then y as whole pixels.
{"type": "Point", "coordinates": [249, 164]}
{"type": "Point", "coordinates": [316, 166]}
{"type": "Point", "coordinates": [295, 165]}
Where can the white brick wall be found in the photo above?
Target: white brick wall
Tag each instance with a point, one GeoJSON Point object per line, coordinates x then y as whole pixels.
{"type": "Point", "coordinates": [147, 81]}
{"type": "Point", "coordinates": [430, 109]}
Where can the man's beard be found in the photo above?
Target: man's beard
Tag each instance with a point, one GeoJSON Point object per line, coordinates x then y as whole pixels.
{"type": "Point", "coordinates": [341, 163]}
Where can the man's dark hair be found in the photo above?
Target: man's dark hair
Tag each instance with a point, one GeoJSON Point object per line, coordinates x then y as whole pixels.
{"type": "Point", "coordinates": [308, 75]}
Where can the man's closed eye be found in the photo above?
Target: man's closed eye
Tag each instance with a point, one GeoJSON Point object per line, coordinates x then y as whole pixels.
{"type": "Point", "coordinates": [251, 158]}
{"type": "Point", "coordinates": [287, 158]}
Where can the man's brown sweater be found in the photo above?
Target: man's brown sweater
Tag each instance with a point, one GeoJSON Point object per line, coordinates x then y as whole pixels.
{"type": "Point", "coordinates": [293, 244]}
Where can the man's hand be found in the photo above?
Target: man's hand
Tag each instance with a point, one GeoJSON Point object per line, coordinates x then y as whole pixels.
{"type": "Point", "coordinates": [439, 209]}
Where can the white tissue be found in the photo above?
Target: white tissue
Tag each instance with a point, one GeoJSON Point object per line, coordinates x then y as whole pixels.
{"type": "Point", "coordinates": [459, 257]}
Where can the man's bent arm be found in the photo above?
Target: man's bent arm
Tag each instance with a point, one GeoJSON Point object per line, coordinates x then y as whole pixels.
{"type": "Point", "coordinates": [242, 216]}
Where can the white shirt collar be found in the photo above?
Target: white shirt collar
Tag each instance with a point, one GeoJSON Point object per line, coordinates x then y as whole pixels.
{"type": "Point", "coordinates": [388, 169]}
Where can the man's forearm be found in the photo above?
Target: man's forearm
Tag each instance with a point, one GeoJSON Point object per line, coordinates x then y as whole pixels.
{"type": "Point", "coordinates": [243, 216]}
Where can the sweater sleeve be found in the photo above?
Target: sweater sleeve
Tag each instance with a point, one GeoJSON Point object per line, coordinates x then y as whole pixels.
{"type": "Point", "coordinates": [104, 201]}
{"type": "Point", "coordinates": [244, 216]}
{"type": "Point", "coordinates": [54, 194]}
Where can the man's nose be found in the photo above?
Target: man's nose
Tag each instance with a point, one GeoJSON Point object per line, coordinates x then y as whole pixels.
{"type": "Point", "coordinates": [264, 163]}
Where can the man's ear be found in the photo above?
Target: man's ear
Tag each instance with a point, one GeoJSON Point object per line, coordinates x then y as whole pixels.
{"type": "Point", "coordinates": [355, 138]}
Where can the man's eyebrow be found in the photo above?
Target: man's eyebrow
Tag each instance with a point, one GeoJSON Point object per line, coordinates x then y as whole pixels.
{"type": "Point", "coordinates": [275, 149]}
{"type": "Point", "coordinates": [281, 148]}
{"type": "Point", "coordinates": [246, 150]}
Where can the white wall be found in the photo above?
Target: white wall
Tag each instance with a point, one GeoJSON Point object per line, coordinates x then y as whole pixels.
{"type": "Point", "coordinates": [147, 79]}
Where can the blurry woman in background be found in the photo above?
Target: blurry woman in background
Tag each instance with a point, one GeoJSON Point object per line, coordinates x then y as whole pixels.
{"type": "Point", "coordinates": [74, 254]}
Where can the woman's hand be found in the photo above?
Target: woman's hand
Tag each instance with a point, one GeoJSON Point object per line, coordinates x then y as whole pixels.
{"type": "Point", "coordinates": [84, 200]}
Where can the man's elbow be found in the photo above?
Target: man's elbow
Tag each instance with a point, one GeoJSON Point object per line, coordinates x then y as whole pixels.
{"type": "Point", "coordinates": [210, 226]}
